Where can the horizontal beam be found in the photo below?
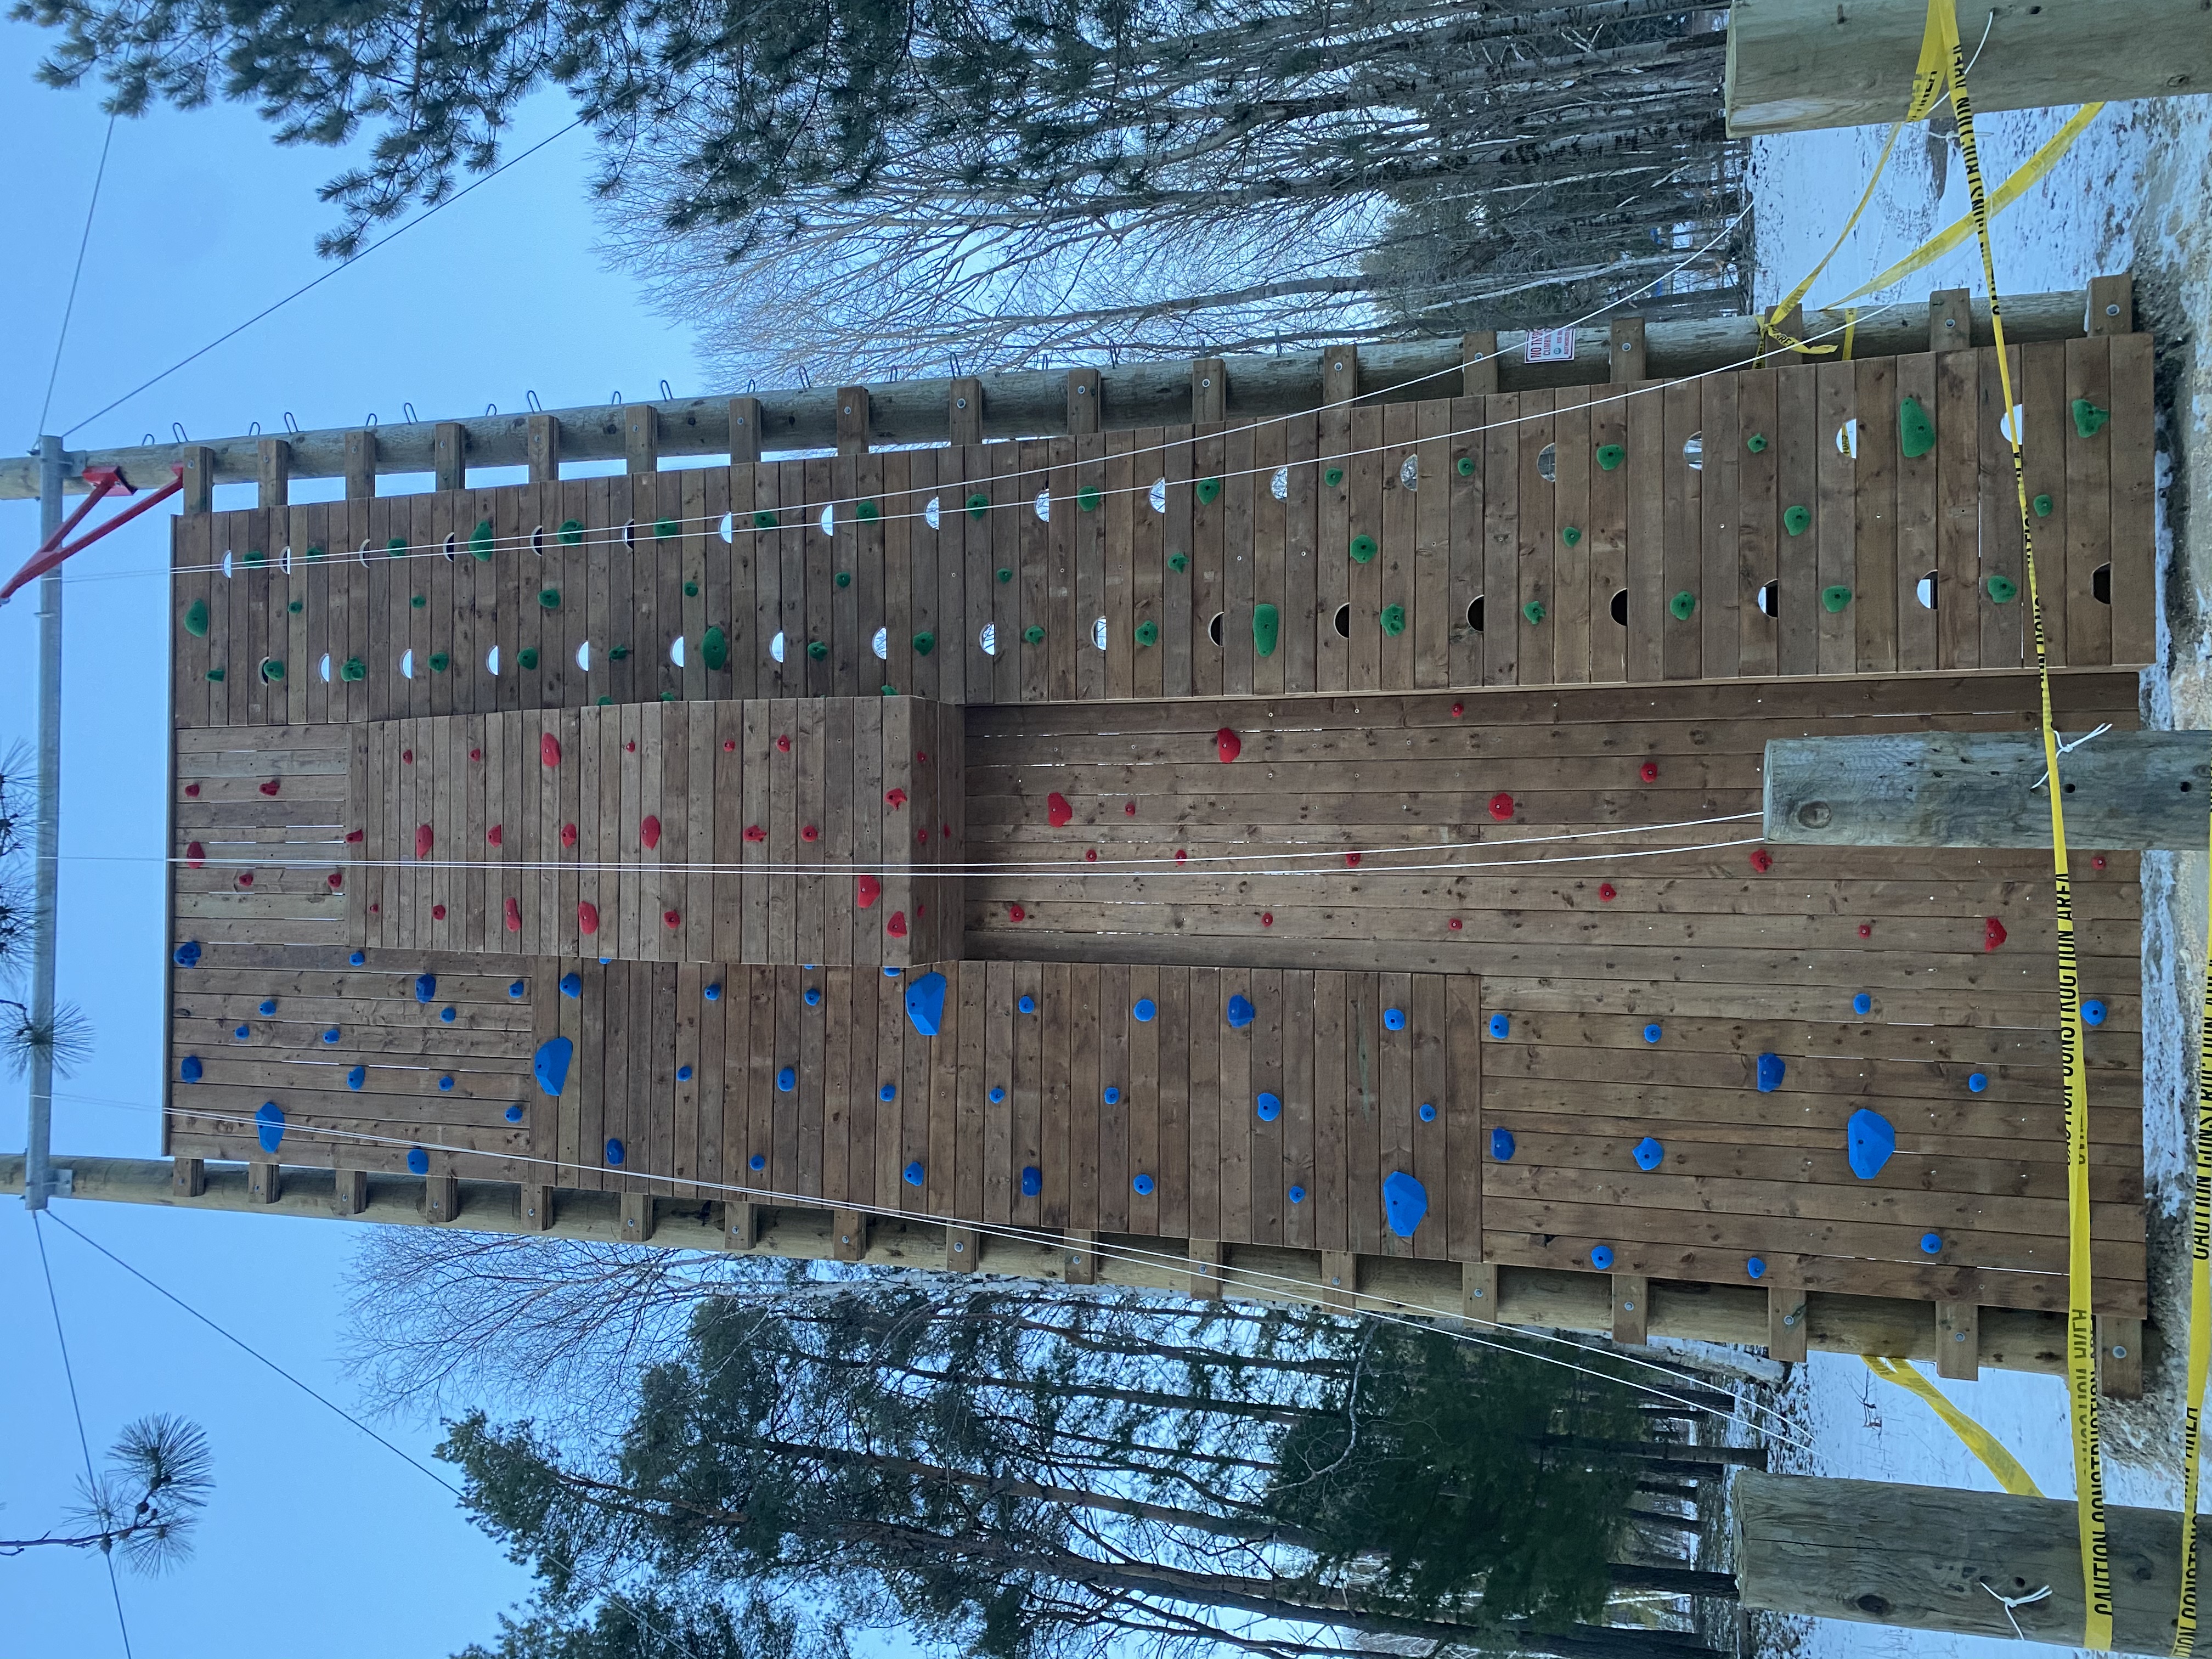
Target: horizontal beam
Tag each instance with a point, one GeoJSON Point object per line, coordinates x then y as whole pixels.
{"type": "Point", "coordinates": [2135, 790]}
{"type": "Point", "coordinates": [1794, 66]}
{"type": "Point", "coordinates": [2017, 1340]}
{"type": "Point", "coordinates": [1034, 403]}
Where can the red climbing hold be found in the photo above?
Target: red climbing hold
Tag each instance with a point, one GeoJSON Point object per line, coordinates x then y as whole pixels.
{"type": "Point", "coordinates": [1182, 852]}
{"type": "Point", "coordinates": [476, 754]}
{"type": "Point", "coordinates": [407, 756]}
{"type": "Point", "coordinates": [587, 916]}
{"type": "Point", "coordinates": [630, 748]}
{"type": "Point", "coordinates": [1458, 709]}
{"type": "Point", "coordinates": [337, 879]}
{"type": "Point", "coordinates": [754, 832]}
{"type": "Point", "coordinates": [921, 836]}
{"type": "Point", "coordinates": [354, 835]}
{"type": "Point", "coordinates": [783, 743]}
{"type": "Point", "coordinates": [921, 758]}
{"type": "Point", "coordinates": [1866, 930]}
{"type": "Point", "coordinates": [871, 890]}
{"type": "Point", "coordinates": [1761, 860]}
{"type": "Point", "coordinates": [1015, 913]}
{"type": "Point", "coordinates": [568, 835]}
{"type": "Point", "coordinates": [671, 918]}
{"type": "Point", "coordinates": [1993, 934]}
{"type": "Point", "coordinates": [245, 879]}
{"type": "Point", "coordinates": [1090, 855]}
{"type": "Point", "coordinates": [195, 855]}
{"type": "Point", "coordinates": [1455, 924]}
{"type": "Point", "coordinates": [437, 913]}
{"type": "Point", "coordinates": [1057, 808]}
{"type": "Point", "coordinates": [423, 840]}
{"type": "Point", "coordinates": [191, 791]}
{"type": "Point", "coordinates": [649, 832]}
{"type": "Point", "coordinates": [1607, 891]}
{"type": "Point", "coordinates": [375, 909]}
{"type": "Point", "coordinates": [2097, 861]}
{"type": "Point", "coordinates": [1650, 773]}
{"type": "Point", "coordinates": [1267, 918]}
{"type": "Point", "coordinates": [1129, 809]}
{"type": "Point", "coordinates": [494, 835]}
{"type": "Point", "coordinates": [896, 797]}
{"type": "Point", "coordinates": [549, 750]}
{"type": "Point", "coordinates": [896, 926]}
{"type": "Point", "coordinates": [946, 830]}
{"type": "Point", "coordinates": [270, 788]}
{"type": "Point", "coordinates": [1352, 858]}
{"type": "Point", "coordinates": [1501, 806]}
{"type": "Point", "coordinates": [514, 916]}
{"type": "Point", "coordinates": [729, 746]}
{"type": "Point", "coordinates": [808, 832]}
{"type": "Point", "coordinates": [1227, 744]}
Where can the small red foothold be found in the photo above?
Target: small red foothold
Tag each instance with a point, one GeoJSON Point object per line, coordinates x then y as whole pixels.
{"type": "Point", "coordinates": [476, 754]}
{"type": "Point", "coordinates": [1182, 852]}
{"type": "Point", "coordinates": [871, 890]}
{"type": "Point", "coordinates": [1650, 773]}
{"type": "Point", "coordinates": [649, 832]}
{"type": "Point", "coordinates": [1267, 918]}
{"type": "Point", "coordinates": [1866, 930]}
{"type": "Point", "coordinates": [568, 835]}
{"type": "Point", "coordinates": [630, 747]}
{"type": "Point", "coordinates": [896, 797]}
{"type": "Point", "coordinates": [1015, 913]}
{"type": "Point", "coordinates": [1453, 924]}
{"type": "Point", "coordinates": [921, 837]}
{"type": "Point", "coordinates": [729, 746]}
{"type": "Point", "coordinates": [354, 835]}
{"type": "Point", "coordinates": [587, 916]}
{"type": "Point", "coordinates": [1129, 809]}
{"type": "Point", "coordinates": [1761, 860]}
{"type": "Point", "coordinates": [946, 830]}
{"type": "Point", "coordinates": [783, 743]}
{"type": "Point", "coordinates": [671, 918]}
{"type": "Point", "coordinates": [437, 913]}
{"type": "Point", "coordinates": [2097, 861]}
{"type": "Point", "coordinates": [549, 750]}
{"type": "Point", "coordinates": [423, 840]}
{"type": "Point", "coordinates": [1227, 744]}
{"type": "Point", "coordinates": [1458, 709]}
{"type": "Point", "coordinates": [191, 791]}
{"type": "Point", "coordinates": [754, 832]}
{"type": "Point", "coordinates": [1057, 808]}
{"type": "Point", "coordinates": [245, 879]}
{"type": "Point", "coordinates": [1352, 858]}
{"type": "Point", "coordinates": [1090, 855]}
{"type": "Point", "coordinates": [270, 788]}
{"type": "Point", "coordinates": [337, 879]}
{"type": "Point", "coordinates": [375, 909]}
{"type": "Point", "coordinates": [1993, 934]}
{"type": "Point", "coordinates": [1607, 891]}
{"type": "Point", "coordinates": [808, 832]}
{"type": "Point", "coordinates": [195, 855]}
{"type": "Point", "coordinates": [896, 926]}
{"type": "Point", "coordinates": [920, 757]}
{"type": "Point", "coordinates": [919, 911]}
{"type": "Point", "coordinates": [514, 916]}
{"type": "Point", "coordinates": [407, 756]}
{"type": "Point", "coordinates": [1501, 806]}
{"type": "Point", "coordinates": [494, 835]}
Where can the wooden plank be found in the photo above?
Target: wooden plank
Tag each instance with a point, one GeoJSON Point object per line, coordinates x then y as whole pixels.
{"type": "Point", "coordinates": [1082, 1013]}
{"type": "Point", "coordinates": [1650, 467]}
{"type": "Point", "coordinates": [1207, 1001]}
{"type": "Point", "coordinates": [1270, 552]}
{"type": "Point", "coordinates": [1332, 570]}
{"type": "Point", "coordinates": [971, 1147]}
{"type": "Point", "coordinates": [1958, 504]}
{"type": "Point", "coordinates": [1467, 543]}
{"type": "Point", "coordinates": [2043, 462]}
{"type": "Point", "coordinates": [1797, 440]}
{"type": "Point", "coordinates": [1572, 617]}
{"type": "Point", "coordinates": [1919, 581]}
{"type": "Point", "coordinates": [2002, 629]}
{"type": "Point", "coordinates": [1835, 396]}
{"type": "Point", "coordinates": [1144, 1106]}
{"type": "Point", "coordinates": [1302, 620]}
{"type": "Point", "coordinates": [1631, 1310]}
{"type": "Point", "coordinates": [2130, 442]}
{"type": "Point", "coordinates": [1274, 1026]}
{"type": "Point", "coordinates": [1876, 593]}
{"type": "Point", "coordinates": [1297, 1121]}
{"type": "Point", "coordinates": [1397, 564]}
{"type": "Point", "coordinates": [1239, 555]}
{"type": "Point", "coordinates": [1759, 522]}
{"type": "Point", "coordinates": [1209, 586]}
{"type": "Point", "coordinates": [1957, 1341]}
{"type": "Point", "coordinates": [1682, 656]}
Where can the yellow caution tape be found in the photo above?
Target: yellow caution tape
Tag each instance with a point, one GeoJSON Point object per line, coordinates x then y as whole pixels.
{"type": "Point", "coordinates": [1979, 1440]}
{"type": "Point", "coordinates": [2200, 1331]}
{"type": "Point", "coordinates": [2081, 1321]}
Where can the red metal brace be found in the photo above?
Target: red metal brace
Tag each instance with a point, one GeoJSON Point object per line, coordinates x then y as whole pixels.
{"type": "Point", "coordinates": [105, 481]}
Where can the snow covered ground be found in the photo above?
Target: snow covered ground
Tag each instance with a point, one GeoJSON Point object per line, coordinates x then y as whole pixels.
{"type": "Point", "coordinates": [2135, 192]}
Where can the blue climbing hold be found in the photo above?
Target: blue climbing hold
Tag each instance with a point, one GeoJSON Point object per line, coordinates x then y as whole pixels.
{"type": "Point", "coordinates": [757, 1161]}
{"type": "Point", "coordinates": [268, 1006]}
{"type": "Point", "coordinates": [1771, 1069]}
{"type": "Point", "coordinates": [1270, 1107]}
{"type": "Point", "coordinates": [1112, 1096]}
{"type": "Point", "coordinates": [445, 1015]}
{"type": "Point", "coordinates": [924, 1004]}
{"type": "Point", "coordinates": [614, 1150]}
{"type": "Point", "coordinates": [1755, 1268]}
{"type": "Point", "coordinates": [2093, 1013]}
{"type": "Point", "coordinates": [269, 1125]}
{"type": "Point", "coordinates": [684, 1074]}
{"type": "Point", "coordinates": [1298, 1195]}
{"type": "Point", "coordinates": [997, 1094]}
{"type": "Point", "coordinates": [514, 1115]}
{"type": "Point", "coordinates": [1649, 1154]}
{"type": "Point", "coordinates": [419, 1161]}
{"type": "Point", "coordinates": [813, 996]}
{"type": "Point", "coordinates": [1868, 1141]}
{"type": "Point", "coordinates": [715, 992]}
{"type": "Point", "coordinates": [242, 1032]}
{"type": "Point", "coordinates": [1393, 1019]}
{"type": "Point", "coordinates": [357, 1077]}
{"type": "Point", "coordinates": [912, 1173]}
{"type": "Point", "coordinates": [891, 973]}
{"type": "Point", "coordinates": [1405, 1202]}
{"type": "Point", "coordinates": [191, 1070]}
{"type": "Point", "coordinates": [1931, 1243]}
{"type": "Point", "coordinates": [1241, 1011]}
{"type": "Point", "coordinates": [514, 992]}
{"type": "Point", "coordinates": [1428, 1111]}
{"type": "Point", "coordinates": [786, 1080]}
{"type": "Point", "coordinates": [1500, 1025]}
{"type": "Point", "coordinates": [1652, 1033]}
{"type": "Point", "coordinates": [1501, 1144]}
{"type": "Point", "coordinates": [357, 959]}
{"type": "Point", "coordinates": [1142, 1185]}
{"type": "Point", "coordinates": [1976, 1083]}
{"type": "Point", "coordinates": [1027, 1004]}
{"type": "Point", "coordinates": [604, 961]}
{"type": "Point", "coordinates": [552, 1064]}
{"type": "Point", "coordinates": [1863, 1004]}
{"type": "Point", "coordinates": [330, 1036]}
{"type": "Point", "coordinates": [1145, 1009]}
{"type": "Point", "coordinates": [445, 1085]}
{"type": "Point", "coordinates": [571, 985]}
{"type": "Point", "coordinates": [1601, 1257]}
{"type": "Point", "coordinates": [426, 987]}
{"type": "Point", "coordinates": [888, 1092]}
{"type": "Point", "coordinates": [1032, 1181]}
{"type": "Point", "coordinates": [187, 955]}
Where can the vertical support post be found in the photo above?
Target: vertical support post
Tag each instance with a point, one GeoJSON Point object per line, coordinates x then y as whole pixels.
{"type": "Point", "coordinates": [1627, 349]}
{"type": "Point", "coordinates": [1785, 1323]}
{"type": "Point", "coordinates": [964, 412]}
{"type": "Point", "coordinates": [198, 493]}
{"type": "Point", "coordinates": [275, 475]}
{"type": "Point", "coordinates": [535, 1201]}
{"type": "Point", "coordinates": [642, 437]}
{"type": "Point", "coordinates": [442, 1198]}
{"type": "Point", "coordinates": [1079, 1253]}
{"type": "Point", "coordinates": [1793, 324]}
{"type": "Point", "coordinates": [38, 1141]}
{"type": "Point", "coordinates": [1958, 1340]}
{"type": "Point", "coordinates": [637, 1217]}
{"type": "Point", "coordinates": [263, 1183]}
{"type": "Point", "coordinates": [2119, 1356]}
{"type": "Point", "coordinates": [851, 419]}
{"type": "Point", "coordinates": [1478, 1292]}
{"type": "Point", "coordinates": [1478, 358]}
{"type": "Point", "coordinates": [961, 1249]}
{"type": "Point", "coordinates": [188, 1177]}
{"type": "Point", "coordinates": [1339, 1269]}
{"type": "Point", "coordinates": [848, 1230]}
{"type": "Point", "coordinates": [740, 1225]}
{"type": "Point", "coordinates": [544, 443]}
{"type": "Point", "coordinates": [1205, 1267]}
{"type": "Point", "coordinates": [1631, 1310]}
{"type": "Point", "coordinates": [360, 465]}
{"type": "Point", "coordinates": [1209, 389]}
{"type": "Point", "coordinates": [2111, 305]}
{"type": "Point", "coordinates": [352, 1196]}
{"type": "Point", "coordinates": [449, 448]}
{"type": "Point", "coordinates": [1083, 405]}
{"type": "Point", "coordinates": [1950, 320]}
{"type": "Point", "coordinates": [1339, 376]}
{"type": "Point", "coordinates": [745, 430]}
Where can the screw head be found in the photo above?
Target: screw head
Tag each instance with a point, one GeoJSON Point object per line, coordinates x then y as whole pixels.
{"type": "Point", "coordinates": [1950, 322]}
{"type": "Point", "coordinates": [1628, 1307]}
{"type": "Point", "coordinates": [2119, 1351]}
{"type": "Point", "coordinates": [1790, 1319]}
{"type": "Point", "coordinates": [1205, 381]}
{"type": "Point", "coordinates": [960, 402]}
{"type": "Point", "coordinates": [2112, 311]}
{"type": "Point", "coordinates": [1478, 1296]}
{"type": "Point", "coordinates": [956, 1248]}
{"type": "Point", "coordinates": [1957, 1336]}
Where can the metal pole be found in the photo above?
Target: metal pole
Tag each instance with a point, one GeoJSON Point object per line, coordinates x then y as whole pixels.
{"type": "Point", "coordinates": [38, 1181]}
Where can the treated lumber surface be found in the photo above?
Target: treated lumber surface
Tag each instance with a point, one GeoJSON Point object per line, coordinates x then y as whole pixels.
{"type": "Point", "coordinates": [2137, 790]}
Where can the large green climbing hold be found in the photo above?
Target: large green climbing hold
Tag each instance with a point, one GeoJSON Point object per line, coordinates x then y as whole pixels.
{"type": "Point", "coordinates": [1609, 456]}
{"type": "Point", "coordinates": [1208, 489]}
{"type": "Point", "coordinates": [667, 529]}
{"type": "Point", "coordinates": [1362, 549]}
{"type": "Point", "coordinates": [1005, 574]}
{"type": "Point", "coordinates": [1916, 433]}
{"type": "Point", "coordinates": [2089, 421]}
{"type": "Point", "coordinates": [890, 690]}
{"type": "Point", "coordinates": [690, 590]}
{"type": "Point", "coordinates": [668, 696]}
{"type": "Point", "coordinates": [2002, 589]}
{"type": "Point", "coordinates": [1757, 442]}
{"type": "Point", "coordinates": [315, 555]}
{"type": "Point", "coordinates": [1464, 467]}
{"type": "Point", "coordinates": [2042, 504]}
{"type": "Point", "coordinates": [1683, 605]}
{"type": "Point", "coordinates": [1797, 520]}
{"type": "Point", "coordinates": [272, 670]}
{"type": "Point", "coordinates": [196, 619]}
{"type": "Point", "coordinates": [606, 702]}
{"type": "Point", "coordinates": [763, 519]}
{"type": "Point", "coordinates": [549, 598]}
{"type": "Point", "coordinates": [1835, 598]}
{"type": "Point", "coordinates": [439, 662]}
{"type": "Point", "coordinates": [714, 649]}
{"type": "Point", "coordinates": [296, 607]}
{"type": "Point", "coordinates": [617, 654]}
{"type": "Point", "coordinates": [817, 649]}
{"type": "Point", "coordinates": [978, 504]}
{"type": "Point", "coordinates": [215, 674]}
{"type": "Point", "coordinates": [570, 532]}
{"type": "Point", "coordinates": [397, 546]}
{"type": "Point", "coordinates": [1033, 634]}
{"type": "Point", "coordinates": [1571, 534]}
{"type": "Point", "coordinates": [254, 555]}
{"type": "Point", "coordinates": [1267, 629]}
{"type": "Point", "coordinates": [418, 600]}
{"type": "Point", "coordinates": [1148, 632]}
{"type": "Point", "coordinates": [844, 579]}
{"type": "Point", "coordinates": [1178, 561]}
{"type": "Point", "coordinates": [352, 670]}
{"type": "Point", "coordinates": [1334, 476]}
{"type": "Point", "coordinates": [1534, 610]}
{"type": "Point", "coordinates": [924, 643]}
{"type": "Point", "coordinates": [1394, 619]}
{"type": "Point", "coordinates": [869, 510]}
{"type": "Point", "coordinates": [480, 541]}
{"type": "Point", "coordinates": [1087, 498]}
{"type": "Point", "coordinates": [527, 656]}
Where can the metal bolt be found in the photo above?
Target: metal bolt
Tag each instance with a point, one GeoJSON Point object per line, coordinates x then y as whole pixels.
{"type": "Point", "coordinates": [845, 1239]}
{"type": "Point", "coordinates": [1340, 366]}
{"type": "Point", "coordinates": [1950, 322]}
{"type": "Point", "coordinates": [2119, 1351]}
{"type": "Point", "coordinates": [960, 402]}
{"type": "Point", "coordinates": [1204, 380]}
{"type": "Point", "coordinates": [1628, 1307]}
{"type": "Point", "coordinates": [956, 1248]}
{"type": "Point", "coordinates": [1075, 1262]}
{"type": "Point", "coordinates": [1083, 391]}
{"type": "Point", "coordinates": [1478, 1296]}
{"type": "Point", "coordinates": [1957, 1336]}
{"type": "Point", "coordinates": [848, 409]}
{"type": "Point", "coordinates": [1628, 345]}
{"type": "Point", "coordinates": [1790, 1319]}
{"type": "Point", "coordinates": [2112, 311]}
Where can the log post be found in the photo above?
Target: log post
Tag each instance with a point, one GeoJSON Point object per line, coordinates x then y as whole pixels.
{"type": "Point", "coordinates": [964, 410]}
{"type": "Point", "coordinates": [544, 446]}
{"type": "Point", "coordinates": [449, 449]}
{"type": "Point", "coordinates": [361, 463]}
{"type": "Point", "coordinates": [1626, 353]}
{"type": "Point", "coordinates": [276, 473]}
{"type": "Point", "coordinates": [1082, 416]}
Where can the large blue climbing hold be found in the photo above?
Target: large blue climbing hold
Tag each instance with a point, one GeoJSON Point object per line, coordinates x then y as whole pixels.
{"type": "Point", "coordinates": [924, 1004]}
{"type": "Point", "coordinates": [813, 996]}
{"type": "Point", "coordinates": [888, 1092]}
{"type": "Point", "coordinates": [514, 1115]}
{"type": "Point", "coordinates": [1112, 1096]}
{"type": "Point", "coordinates": [757, 1161]}
{"type": "Point", "coordinates": [357, 1077]}
{"type": "Point", "coordinates": [330, 1036]}
{"type": "Point", "coordinates": [552, 1064]}
{"type": "Point", "coordinates": [1601, 1257]}
{"type": "Point", "coordinates": [2093, 1013]}
{"type": "Point", "coordinates": [1652, 1033]}
{"type": "Point", "coordinates": [912, 1174]}
{"type": "Point", "coordinates": [1405, 1202]}
{"type": "Point", "coordinates": [1976, 1083]}
{"type": "Point", "coordinates": [1649, 1154]}
{"type": "Point", "coordinates": [187, 955]}
{"type": "Point", "coordinates": [1270, 1107]}
{"type": "Point", "coordinates": [419, 1161]}
{"type": "Point", "coordinates": [1931, 1243]}
{"type": "Point", "coordinates": [1241, 1011]}
{"type": "Point", "coordinates": [1428, 1111]}
{"type": "Point", "coordinates": [514, 991]}
{"type": "Point", "coordinates": [1769, 1074]}
{"type": "Point", "coordinates": [268, 1006]}
{"type": "Point", "coordinates": [1500, 1025]}
{"type": "Point", "coordinates": [786, 1080]}
{"type": "Point", "coordinates": [891, 973]}
{"type": "Point", "coordinates": [715, 992]}
{"type": "Point", "coordinates": [1755, 1268]}
{"type": "Point", "coordinates": [614, 1150]}
{"type": "Point", "coordinates": [1298, 1193]}
{"type": "Point", "coordinates": [445, 1085]}
{"type": "Point", "coordinates": [191, 1071]}
{"type": "Point", "coordinates": [242, 1032]}
{"type": "Point", "coordinates": [998, 1093]}
{"type": "Point", "coordinates": [1863, 1004]}
{"type": "Point", "coordinates": [1501, 1144]}
{"type": "Point", "coordinates": [1032, 1181]}
{"type": "Point", "coordinates": [1027, 1004]}
{"type": "Point", "coordinates": [1142, 1185]}
{"type": "Point", "coordinates": [1145, 1011]}
{"type": "Point", "coordinates": [269, 1125]}
{"type": "Point", "coordinates": [1868, 1141]}
{"type": "Point", "coordinates": [1393, 1019]}
{"type": "Point", "coordinates": [357, 959]}
{"type": "Point", "coordinates": [571, 985]}
{"type": "Point", "coordinates": [684, 1074]}
{"type": "Point", "coordinates": [426, 987]}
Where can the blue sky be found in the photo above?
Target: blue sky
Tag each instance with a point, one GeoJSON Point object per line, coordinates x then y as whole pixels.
{"type": "Point", "coordinates": [318, 1539]}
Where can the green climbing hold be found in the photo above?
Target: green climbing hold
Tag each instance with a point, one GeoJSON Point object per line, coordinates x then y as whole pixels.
{"type": "Point", "coordinates": [1033, 634]}
{"type": "Point", "coordinates": [1756, 443]}
{"type": "Point", "coordinates": [1534, 610]}
{"type": "Point", "coordinates": [763, 519]}
{"type": "Point", "coordinates": [1178, 561]}
{"type": "Point", "coordinates": [2002, 589]}
{"type": "Point", "coordinates": [254, 555]}
{"type": "Point", "coordinates": [844, 579]}
{"type": "Point", "coordinates": [1609, 456]}
{"type": "Point", "coordinates": [617, 654]}
{"type": "Point", "coordinates": [417, 600]}
{"type": "Point", "coordinates": [216, 675]}
{"type": "Point", "coordinates": [1087, 498]}
{"type": "Point", "coordinates": [1834, 599]}
{"type": "Point", "coordinates": [549, 598]}
{"type": "Point", "coordinates": [1797, 520]}
{"type": "Point", "coordinates": [668, 696]}
{"type": "Point", "coordinates": [1267, 629]}
{"type": "Point", "coordinates": [1683, 605]}
{"type": "Point", "coordinates": [196, 619]}
{"type": "Point", "coordinates": [570, 532]}
{"type": "Point", "coordinates": [1334, 476]}
{"type": "Point", "coordinates": [272, 670]}
{"type": "Point", "coordinates": [396, 544]}
{"type": "Point", "coordinates": [890, 690]}
{"type": "Point", "coordinates": [1148, 633]}
{"type": "Point", "coordinates": [869, 511]}
{"type": "Point", "coordinates": [1005, 574]}
{"type": "Point", "coordinates": [2042, 504]}
{"type": "Point", "coordinates": [1465, 466]}
{"type": "Point", "coordinates": [606, 702]}
{"type": "Point", "coordinates": [665, 529]}
{"type": "Point", "coordinates": [1394, 619]}
{"type": "Point", "coordinates": [1362, 549]}
{"type": "Point", "coordinates": [978, 505]}
{"type": "Point", "coordinates": [480, 541]}
{"type": "Point", "coordinates": [527, 656]}
{"type": "Point", "coordinates": [2089, 421]}
{"type": "Point", "coordinates": [714, 649]}
{"type": "Point", "coordinates": [690, 590]}
{"type": "Point", "coordinates": [1208, 489]}
{"type": "Point", "coordinates": [439, 662]}
{"type": "Point", "coordinates": [1571, 534]}
{"type": "Point", "coordinates": [924, 643]}
{"type": "Point", "coordinates": [817, 649]}
{"type": "Point", "coordinates": [1916, 433]}
{"type": "Point", "coordinates": [296, 607]}
{"type": "Point", "coordinates": [353, 669]}
{"type": "Point", "coordinates": [315, 555]}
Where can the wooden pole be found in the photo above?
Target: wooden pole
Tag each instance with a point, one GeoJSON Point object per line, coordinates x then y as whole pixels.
{"type": "Point", "coordinates": [1795, 66]}
{"type": "Point", "coordinates": [1927, 1558]}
